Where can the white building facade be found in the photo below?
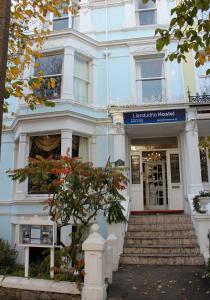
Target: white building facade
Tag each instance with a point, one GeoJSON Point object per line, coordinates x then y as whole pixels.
{"type": "Point", "coordinates": [116, 97]}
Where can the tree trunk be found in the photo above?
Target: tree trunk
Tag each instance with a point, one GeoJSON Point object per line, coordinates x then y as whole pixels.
{"type": "Point", "coordinates": [5, 6]}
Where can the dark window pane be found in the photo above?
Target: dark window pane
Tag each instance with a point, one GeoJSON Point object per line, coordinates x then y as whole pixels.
{"type": "Point", "coordinates": [75, 146]}
{"type": "Point", "coordinates": [135, 169]}
{"type": "Point", "coordinates": [147, 17]}
{"type": "Point", "coordinates": [175, 173]}
{"type": "Point", "coordinates": [49, 65]}
{"type": "Point", "coordinates": [45, 146]}
{"type": "Point", "coordinates": [152, 90]}
{"type": "Point", "coordinates": [46, 91]}
{"type": "Point", "coordinates": [204, 165]}
{"type": "Point", "coordinates": [59, 24]}
{"type": "Point", "coordinates": [151, 68]}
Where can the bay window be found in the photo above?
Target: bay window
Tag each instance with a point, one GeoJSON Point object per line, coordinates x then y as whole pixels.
{"type": "Point", "coordinates": [150, 80]}
{"type": "Point", "coordinates": [50, 146]}
{"type": "Point", "coordinates": [146, 13]}
{"type": "Point", "coordinates": [50, 68]}
{"type": "Point", "coordinates": [44, 146]}
{"type": "Point", "coordinates": [81, 79]}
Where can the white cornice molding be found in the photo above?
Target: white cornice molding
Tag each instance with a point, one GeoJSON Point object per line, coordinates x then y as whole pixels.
{"type": "Point", "coordinates": [95, 43]}
{"type": "Point", "coordinates": [133, 108]}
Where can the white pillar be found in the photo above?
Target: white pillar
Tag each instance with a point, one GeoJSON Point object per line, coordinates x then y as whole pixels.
{"type": "Point", "coordinates": [68, 74]}
{"type": "Point", "coordinates": [193, 156]}
{"type": "Point", "coordinates": [94, 285]}
{"type": "Point", "coordinates": [66, 141]}
{"type": "Point", "coordinates": [112, 241]}
{"type": "Point", "coordinates": [26, 261]}
{"type": "Point", "coordinates": [52, 261]}
{"type": "Point", "coordinates": [23, 153]}
{"type": "Point", "coordinates": [119, 143]}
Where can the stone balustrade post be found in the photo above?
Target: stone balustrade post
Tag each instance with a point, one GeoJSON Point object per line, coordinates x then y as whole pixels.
{"type": "Point", "coordinates": [108, 263]}
{"type": "Point", "coordinates": [112, 241]}
{"type": "Point", "coordinates": [94, 281]}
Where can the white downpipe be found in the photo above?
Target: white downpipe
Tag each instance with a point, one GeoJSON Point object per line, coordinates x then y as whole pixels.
{"type": "Point", "coordinates": [107, 54]}
{"type": "Point", "coordinates": [107, 70]}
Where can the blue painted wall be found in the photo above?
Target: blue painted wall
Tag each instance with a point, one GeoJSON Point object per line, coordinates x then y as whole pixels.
{"type": "Point", "coordinates": [7, 162]}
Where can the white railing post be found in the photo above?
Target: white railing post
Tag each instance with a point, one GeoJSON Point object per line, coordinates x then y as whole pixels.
{"type": "Point", "coordinates": [108, 263]}
{"type": "Point", "coordinates": [112, 241]}
{"type": "Point", "coordinates": [94, 281]}
{"type": "Point", "coordinates": [26, 250]}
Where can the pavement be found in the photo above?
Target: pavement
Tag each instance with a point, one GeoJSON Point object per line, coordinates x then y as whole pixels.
{"type": "Point", "coordinates": [135, 282]}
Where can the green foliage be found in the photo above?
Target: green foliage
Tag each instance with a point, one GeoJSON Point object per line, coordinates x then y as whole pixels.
{"type": "Point", "coordinates": [29, 29]}
{"type": "Point", "coordinates": [81, 191]}
{"type": "Point", "coordinates": [206, 273]}
{"type": "Point", "coordinates": [7, 258]}
{"type": "Point", "coordinates": [190, 26]}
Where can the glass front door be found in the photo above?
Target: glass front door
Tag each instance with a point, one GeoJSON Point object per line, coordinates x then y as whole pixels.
{"type": "Point", "coordinates": [155, 188]}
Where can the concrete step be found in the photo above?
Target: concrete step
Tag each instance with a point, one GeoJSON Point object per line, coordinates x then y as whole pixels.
{"type": "Point", "coordinates": [160, 227]}
{"type": "Point", "coordinates": [138, 259]}
{"type": "Point", "coordinates": [160, 241]}
{"type": "Point", "coordinates": [180, 249]}
{"type": "Point", "coordinates": [158, 219]}
{"type": "Point", "coordinates": [161, 234]}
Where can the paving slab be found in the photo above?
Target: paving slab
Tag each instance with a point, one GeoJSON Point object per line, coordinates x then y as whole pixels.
{"type": "Point", "coordinates": [136, 282]}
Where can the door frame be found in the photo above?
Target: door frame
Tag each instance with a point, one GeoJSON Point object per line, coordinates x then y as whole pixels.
{"type": "Point", "coordinates": [137, 189]}
{"type": "Point", "coordinates": [163, 165]}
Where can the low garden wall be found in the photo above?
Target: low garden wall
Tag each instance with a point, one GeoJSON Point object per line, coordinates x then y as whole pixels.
{"type": "Point", "coordinates": [19, 288]}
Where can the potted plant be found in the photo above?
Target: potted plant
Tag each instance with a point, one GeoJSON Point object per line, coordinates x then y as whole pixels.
{"type": "Point", "coordinates": [201, 201]}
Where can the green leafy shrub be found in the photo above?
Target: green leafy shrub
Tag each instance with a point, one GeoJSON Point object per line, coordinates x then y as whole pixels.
{"type": "Point", "coordinates": [7, 258]}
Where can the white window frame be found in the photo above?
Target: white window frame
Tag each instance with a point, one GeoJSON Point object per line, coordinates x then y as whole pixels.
{"type": "Point", "coordinates": [53, 75]}
{"type": "Point", "coordinates": [88, 82]}
{"type": "Point", "coordinates": [137, 13]}
{"type": "Point", "coordinates": [139, 93]}
{"type": "Point", "coordinates": [71, 24]}
{"type": "Point", "coordinates": [55, 18]}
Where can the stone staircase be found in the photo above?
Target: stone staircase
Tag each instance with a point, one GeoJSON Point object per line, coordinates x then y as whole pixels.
{"type": "Point", "coordinates": [161, 240]}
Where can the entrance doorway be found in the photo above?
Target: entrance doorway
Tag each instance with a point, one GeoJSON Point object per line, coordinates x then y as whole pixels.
{"type": "Point", "coordinates": [155, 179]}
{"type": "Point", "coordinates": [155, 185]}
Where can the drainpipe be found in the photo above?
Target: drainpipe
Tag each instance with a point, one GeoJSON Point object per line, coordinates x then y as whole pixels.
{"type": "Point", "coordinates": [107, 53]}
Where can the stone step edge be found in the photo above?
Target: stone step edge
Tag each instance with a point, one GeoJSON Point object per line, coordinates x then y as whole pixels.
{"type": "Point", "coordinates": [162, 246]}
{"type": "Point", "coordinates": [162, 238]}
{"type": "Point", "coordinates": [159, 255]}
{"type": "Point", "coordinates": [157, 225]}
{"type": "Point", "coordinates": [156, 231]}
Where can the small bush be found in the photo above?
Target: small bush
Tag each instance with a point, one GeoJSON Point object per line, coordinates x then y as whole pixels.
{"type": "Point", "coordinates": [7, 258]}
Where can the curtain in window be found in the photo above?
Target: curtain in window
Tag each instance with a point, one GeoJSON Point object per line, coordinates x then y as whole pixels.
{"type": "Point", "coordinates": [48, 142]}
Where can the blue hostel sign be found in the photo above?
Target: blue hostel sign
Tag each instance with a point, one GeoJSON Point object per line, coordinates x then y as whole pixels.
{"type": "Point", "coordinates": [154, 117]}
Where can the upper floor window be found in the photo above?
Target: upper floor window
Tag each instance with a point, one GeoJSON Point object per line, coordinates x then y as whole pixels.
{"type": "Point", "coordinates": [150, 80]}
{"type": "Point", "coordinates": [65, 20]}
{"type": "Point", "coordinates": [50, 68]}
{"type": "Point", "coordinates": [146, 13]}
{"type": "Point", "coordinates": [81, 79]}
{"type": "Point", "coordinates": [61, 22]}
{"type": "Point", "coordinates": [204, 79]}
